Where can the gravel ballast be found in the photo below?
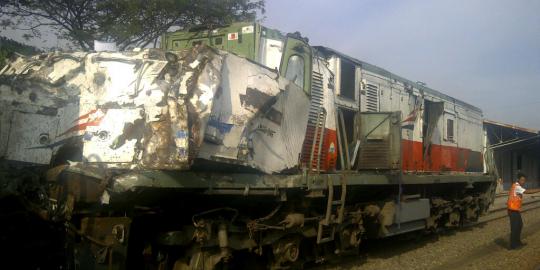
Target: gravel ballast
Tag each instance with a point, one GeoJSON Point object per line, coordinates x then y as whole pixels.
{"type": "Point", "coordinates": [483, 246]}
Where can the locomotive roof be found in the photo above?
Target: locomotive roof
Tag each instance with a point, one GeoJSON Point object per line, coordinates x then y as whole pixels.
{"type": "Point", "coordinates": [384, 72]}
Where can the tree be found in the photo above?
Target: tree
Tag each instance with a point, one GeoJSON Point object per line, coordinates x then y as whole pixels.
{"type": "Point", "coordinates": [134, 23]}
{"type": "Point", "coordinates": [8, 46]}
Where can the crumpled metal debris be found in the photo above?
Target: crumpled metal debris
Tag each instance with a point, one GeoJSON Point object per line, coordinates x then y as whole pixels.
{"type": "Point", "coordinates": [150, 110]}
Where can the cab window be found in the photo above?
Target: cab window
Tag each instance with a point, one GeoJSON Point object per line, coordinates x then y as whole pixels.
{"type": "Point", "coordinates": [450, 129]}
{"type": "Point", "coordinates": [295, 70]}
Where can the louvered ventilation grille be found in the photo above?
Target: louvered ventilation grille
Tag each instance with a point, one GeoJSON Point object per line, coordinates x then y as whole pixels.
{"type": "Point", "coordinates": [316, 96]}
{"type": "Point", "coordinates": [317, 99]}
{"type": "Point", "coordinates": [375, 154]}
{"type": "Point", "coordinates": [372, 97]}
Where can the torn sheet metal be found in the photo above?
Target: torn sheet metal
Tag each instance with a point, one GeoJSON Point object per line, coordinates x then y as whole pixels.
{"type": "Point", "coordinates": [114, 139]}
{"type": "Point", "coordinates": [275, 138]}
{"type": "Point", "coordinates": [150, 110]}
{"type": "Point", "coordinates": [258, 119]}
{"type": "Point", "coordinates": [106, 104]}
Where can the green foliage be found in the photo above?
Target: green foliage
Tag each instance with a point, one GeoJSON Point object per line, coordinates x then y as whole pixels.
{"type": "Point", "coordinates": [8, 46]}
{"type": "Point", "coordinates": [126, 22]}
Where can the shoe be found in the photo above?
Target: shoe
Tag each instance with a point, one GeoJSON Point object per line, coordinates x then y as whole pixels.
{"type": "Point", "coordinates": [519, 246]}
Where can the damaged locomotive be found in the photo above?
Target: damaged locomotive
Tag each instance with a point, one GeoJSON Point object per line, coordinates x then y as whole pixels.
{"type": "Point", "coordinates": [233, 141]}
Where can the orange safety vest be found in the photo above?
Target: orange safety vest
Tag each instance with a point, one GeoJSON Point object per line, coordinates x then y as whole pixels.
{"type": "Point", "coordinates": [514, 201]}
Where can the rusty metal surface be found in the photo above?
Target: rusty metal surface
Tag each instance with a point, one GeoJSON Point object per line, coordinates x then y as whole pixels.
{"type": "Point", "coordinates": [248, 183]}
{"type": "Point", "coordinates": [104, 245]}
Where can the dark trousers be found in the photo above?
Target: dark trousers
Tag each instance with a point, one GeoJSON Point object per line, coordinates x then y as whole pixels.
{"type": "Point", "coordinates": [516, 223]}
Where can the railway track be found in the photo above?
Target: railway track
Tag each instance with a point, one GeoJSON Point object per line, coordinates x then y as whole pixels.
{"type": "Point", "coordinates": [404, 243]}
{"type": "Point", "coordinates": [501, 212]}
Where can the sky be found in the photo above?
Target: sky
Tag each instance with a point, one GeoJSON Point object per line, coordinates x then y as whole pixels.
{"type": "Point", "coordinates": [484, 52]}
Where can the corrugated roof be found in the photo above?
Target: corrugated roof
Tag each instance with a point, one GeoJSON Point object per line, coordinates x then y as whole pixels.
{"type": "Point", "coordinates": [510, 126]}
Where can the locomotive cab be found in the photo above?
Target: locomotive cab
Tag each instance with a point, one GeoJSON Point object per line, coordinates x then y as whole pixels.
{"type": "Point", "coordinates": [291, 57]}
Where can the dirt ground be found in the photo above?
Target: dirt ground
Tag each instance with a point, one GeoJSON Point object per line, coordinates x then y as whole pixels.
{"type": "Point", "coordinates": [480, 247]}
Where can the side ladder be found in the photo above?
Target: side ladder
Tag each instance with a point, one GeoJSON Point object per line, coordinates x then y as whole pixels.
{"type": "Point", "coordinates": [316, 146]}
{"type": "Point", "coordinates": [335, 210]}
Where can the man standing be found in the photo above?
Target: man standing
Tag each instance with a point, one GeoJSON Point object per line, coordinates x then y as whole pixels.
{"type": "Point", "coordinates": [515, 197]}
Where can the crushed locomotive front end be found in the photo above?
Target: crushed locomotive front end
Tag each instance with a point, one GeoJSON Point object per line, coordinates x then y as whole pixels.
{"type": "Point", "coordinates": [150, 110]}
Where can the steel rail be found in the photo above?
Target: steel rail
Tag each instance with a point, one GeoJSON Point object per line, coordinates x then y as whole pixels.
{"type": "Point", "coordinates": [500, 213]}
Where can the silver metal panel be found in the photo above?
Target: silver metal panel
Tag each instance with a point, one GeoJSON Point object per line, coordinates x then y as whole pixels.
{"type": "Point", "coordinates": [412, 210]}
{"type": "Point", "coordinates": [277, 146]}
{"type": "Point", "coordinates": [380, 141]}
{"type": "Point", "coordinates": [30, 137]}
